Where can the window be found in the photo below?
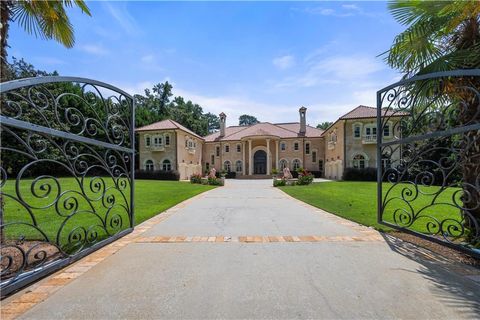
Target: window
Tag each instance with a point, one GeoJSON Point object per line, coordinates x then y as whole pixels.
{"type": "Point", "coordinates": [238, 166]}
{"type": "Point", "coordinates": [356, 131]}
{"type": "Point", "coordinates": [167, 140]}
{"type": "Point", "coordinates": [320, 166]}
{"type": "Point", "coordinates": [227, 166]}
{"type": "Point", "coordinates": [283, 146]}
{"type": "Point", "coordinates": [207, 166]}
{"type": "Point", "coordinates": [314, 156]}
{"type": "Point", "coordinates": [359, 161]}
{"type": "Point", "coordinates": [166, 165]}
{"type": "Point", "coordinates": [386, 131]}
{"type": "Point", "coordinates": [149, 165]}
{"type": "Point", "coordinates": [191, 144]}
{"type": "Point", "coordinates": [295, 146]}
{"type": "Point", "coordinates": [283, 164]}
{"type": "Point", "coordinates": [147, 141]}
{"type": "Point", "coordinates": [217, 151]}
{"type": "Point", "coordinates": [157, 141]}
{"type": "Point", "coordinates": [386, 161]}
{"type": "Point", "coordinates": [227, 148]}
{"type": "Point", "coordinates": [239, 148]}
{"type": "Point", "coordinates": [370, 131]}
{"type": "Point", "coordinates": [295, 164]}
{"type": "Point", "coordinates": [307, 148]}
{"type": "Point", "coordinates": [213, 159]}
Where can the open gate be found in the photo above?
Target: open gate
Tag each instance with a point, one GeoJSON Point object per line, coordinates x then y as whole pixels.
{"type": "Point", "coordinates": [67, 166]}
{"type": "Point", "coordinates": [429, 173]}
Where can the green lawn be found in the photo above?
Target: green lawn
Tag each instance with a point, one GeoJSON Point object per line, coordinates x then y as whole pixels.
{"type": "Point", "coordinates": [151, 198]}
{"type": "Point", "coordinates": [357, 201]}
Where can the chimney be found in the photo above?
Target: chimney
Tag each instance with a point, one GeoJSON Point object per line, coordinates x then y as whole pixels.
{"type": "Point", "coordinates": [223, 119]}
{"type": "Point", "coordinates": [303, 125]}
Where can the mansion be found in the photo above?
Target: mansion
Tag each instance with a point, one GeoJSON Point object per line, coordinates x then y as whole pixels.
{"type": "Point", "coordinates": [257, 149]}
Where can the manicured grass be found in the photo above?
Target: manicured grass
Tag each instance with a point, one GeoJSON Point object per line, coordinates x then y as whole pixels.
{"type": "Point", "coordinates": [357, 201]}
{"type": "Point", "coordinates": [151, 197]}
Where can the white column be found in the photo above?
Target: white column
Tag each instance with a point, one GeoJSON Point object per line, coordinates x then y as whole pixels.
{"type": "Point", "coordinates": [250, 162]}
{"type": "Point", "coordinates": [244, 164]}
{"type": "Point", "coordinates": [269, 161]}
{"type": "Point", "coordinates": [276, 154]}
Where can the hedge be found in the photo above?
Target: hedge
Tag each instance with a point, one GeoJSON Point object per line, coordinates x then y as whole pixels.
{"type": "Point", "coordinates": [157, 175]}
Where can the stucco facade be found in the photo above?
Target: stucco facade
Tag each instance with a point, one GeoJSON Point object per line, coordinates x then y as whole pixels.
{"type": "Point", "coordinates": [262, 147]}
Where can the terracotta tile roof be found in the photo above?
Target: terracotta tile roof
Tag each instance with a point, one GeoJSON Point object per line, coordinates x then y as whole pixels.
{"type": "Point", "coordinates": [368, 112]}
{"type": "Point", "coordinates": [167, 125]}
{"type": "Point", "coordinates": [281, 130]}
{"type": "Point", "coordinates": [295, 127]}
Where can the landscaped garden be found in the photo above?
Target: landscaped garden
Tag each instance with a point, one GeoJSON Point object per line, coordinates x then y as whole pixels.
{"type": "Point", "coordinates": [357, 201]}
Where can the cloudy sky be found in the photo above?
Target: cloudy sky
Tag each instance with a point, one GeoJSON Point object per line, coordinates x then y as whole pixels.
{"type": "Point", "coordinates": [261, 58]}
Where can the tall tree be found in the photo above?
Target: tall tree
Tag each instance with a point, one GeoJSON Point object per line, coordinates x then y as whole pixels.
{"type": "Point", "coordinates": [247, 120]}
{"type": "Point", "coordinates": [213, 122]}
{"type": "Point", "coordinates": [324, 125]}
{"type": "Point", "coordinates": [442, 36]}
{"type": "Point", "coordinates": [45, 19]}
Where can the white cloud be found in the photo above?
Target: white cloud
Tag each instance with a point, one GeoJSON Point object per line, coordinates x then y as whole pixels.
{"type": "Point", "coordinates": [351, 7]}
{"type": "Point", "coordinates": [119, 12]}
{"type": "Point", "coordinates": [149, 58]}
{"type": "Point", "coordinates": [333, 70]}
{"type": "Point", "coordinates": [284, 62]}
{"type": "Point", "coordinates": [94, 49]}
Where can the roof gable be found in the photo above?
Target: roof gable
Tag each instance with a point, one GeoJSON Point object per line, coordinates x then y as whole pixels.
{"type": "Point", "coordinates": [167, 125]}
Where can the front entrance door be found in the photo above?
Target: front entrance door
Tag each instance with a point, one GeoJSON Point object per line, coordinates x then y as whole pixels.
{"type": "Point", "coordinates": [260, 162]}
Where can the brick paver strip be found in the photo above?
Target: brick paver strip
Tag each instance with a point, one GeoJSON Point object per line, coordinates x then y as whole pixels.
{"type": "Point", "coordinates": [246, 239]}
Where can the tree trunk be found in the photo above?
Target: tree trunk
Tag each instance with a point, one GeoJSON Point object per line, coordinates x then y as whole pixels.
{"type": "Point", "coordinates": [4, 19]}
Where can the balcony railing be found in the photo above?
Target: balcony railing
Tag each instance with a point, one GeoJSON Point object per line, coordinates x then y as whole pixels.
{"type": "Point", "coordinates": [157, 148]}
{"type": "Point", "coordinates": [369, 138]}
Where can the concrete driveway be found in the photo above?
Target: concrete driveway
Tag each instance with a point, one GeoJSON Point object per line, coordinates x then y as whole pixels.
{"type": "Point", "coordinates": [248, 250]}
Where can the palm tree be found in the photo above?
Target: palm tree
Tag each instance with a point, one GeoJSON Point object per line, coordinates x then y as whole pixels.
{"type": "Point", "coordinates": [45, 19]}
{"type": "Point", "coordinates": [443, 36]}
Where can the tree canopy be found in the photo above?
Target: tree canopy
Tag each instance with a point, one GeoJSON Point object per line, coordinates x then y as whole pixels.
{"type": "Point", "coordinates": [324, 125]}
{"type": "Point", "coordinates": [247, 120]}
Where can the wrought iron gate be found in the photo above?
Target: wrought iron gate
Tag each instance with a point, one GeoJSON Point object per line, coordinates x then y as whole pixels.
{"type": "Point", "coordinates": [67, 165]}
{"type": "Point", "coordinates": [429, 172]}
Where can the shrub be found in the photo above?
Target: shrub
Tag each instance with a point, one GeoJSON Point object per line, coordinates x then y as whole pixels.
{"type": "Point", "coordinates": [214, 181]}
{"type": "Point", "coordinates": [279, 182]}
{"type": "Point", "coordinates": [274, 171]}
{"type": "Point", "coordinates": [196, 178]}
{"type": "Point", "coordinates": [304, 178]}
{"type": "Point", "coordinates": [227, 175]}
{"type": "Point", "coordinates": [357, 174]}
{"type": "Point", "coordinates": [157, 175]}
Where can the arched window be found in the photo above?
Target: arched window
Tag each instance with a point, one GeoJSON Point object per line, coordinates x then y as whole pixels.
{"type": "Point", "coordinates": [166, 165]}
{"type": "Point", "coordinates": [358, 161]}
{"type": "Point", "coordinates": [227, 165]}
{"type": "Point", "coordinates": [295, 164]}
{"type": "Point", "coordinates": [238, 166]}
{"type": "Point", "coordinates": [149, 165]}
{"type": "Point", "coordinates": [283, 164]}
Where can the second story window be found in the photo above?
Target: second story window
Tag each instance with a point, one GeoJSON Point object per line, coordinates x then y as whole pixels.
{"type": "Point", "coordinates": [217, 151]}
{"type": "Point", "coordinates": [147, 141]}
{"type": "Point", "coordinates": [239, 148]}
{"type": "Point", "coordinates": [227, 148]}
{"type": "Point", "coordinates": [157, 141]}
{"type": "Point", "coordinates": [370, 131]}
{"type": "Point", "coordinates": [307, 148]}
{"type": "Point", "coordinates": [283, 146]}
{"type": "Point", "coordinates": [295, 146]}
{"type": "Point", "coordinates": [167, 140]}
{"type": "Point", "coordinates": [386, 131]}
{"type": "Point", "coordinates": [356, 131]}
{"type": "Point", "coordinates": [213, 159]}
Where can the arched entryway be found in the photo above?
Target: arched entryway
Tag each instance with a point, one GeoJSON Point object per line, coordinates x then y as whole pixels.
{"type": "Point", "coordinates": [260, 162]}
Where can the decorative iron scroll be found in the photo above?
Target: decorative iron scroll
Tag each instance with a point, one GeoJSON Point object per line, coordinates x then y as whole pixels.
{"type": "Point", "coordinates": [429, 172]}
{"type": "Point", "coordinates": [67, 163]}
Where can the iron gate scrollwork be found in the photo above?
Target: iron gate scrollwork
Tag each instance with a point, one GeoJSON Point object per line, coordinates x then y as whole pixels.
{"type": "Point", "coordinates": [429, 166]}
{"type": "Point", "coordinates": [67, 165]}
